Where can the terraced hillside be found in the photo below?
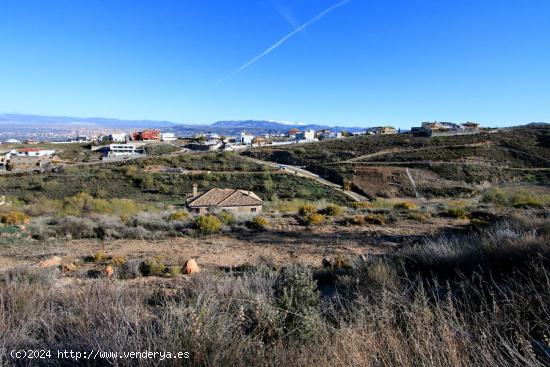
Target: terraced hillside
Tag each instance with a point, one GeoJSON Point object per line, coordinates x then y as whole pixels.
{"type": "Point", "coordinates": [392, 165]}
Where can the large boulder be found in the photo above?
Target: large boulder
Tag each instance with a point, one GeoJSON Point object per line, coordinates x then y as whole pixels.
{"type": "Point", "coordinates": [109, 271]}
{"type": "Point", "coordinates": [191, 267]}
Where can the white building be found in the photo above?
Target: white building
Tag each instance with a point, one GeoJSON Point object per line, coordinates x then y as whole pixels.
{"type": "Point", "coordinates": [168, 137]}
{"type": "Point", "coordinates": [308, 135]}
{"type": "Point", "coordinates": [120, 150]}
{"type": "Point", "coordinates": [32, 152]}
{"type": "Point", "coordinates": [246, 139]}
{"type": "Point", "coordinates": [211, 136]}
{"type": "Point", "coordinates": [118, 137]}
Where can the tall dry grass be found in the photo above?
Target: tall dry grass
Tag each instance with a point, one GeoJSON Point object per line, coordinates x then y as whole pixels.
{"type": "Point", "coordinates": [401, 311]}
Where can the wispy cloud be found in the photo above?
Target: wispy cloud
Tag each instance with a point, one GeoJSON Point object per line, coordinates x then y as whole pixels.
{"type": "Point", "coordinates": [283, 40]}
{"type": "Point", "coordinates": [286, 14]}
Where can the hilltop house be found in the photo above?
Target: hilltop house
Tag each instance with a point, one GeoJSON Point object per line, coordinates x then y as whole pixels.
{"type": "Point", "coordinates": [437, 128]}
{"type": "Point", "coordinates": [246, 139]}
{"type": "Point", "coordinates": [231, 200]}
{"type": "Point", "coordinates": [116, 151]}
{"type": "Point", "coordinates": [32, 152]}
{"type": "Point", "coordinates": [118, 137]}
{"type": "Point", "coordinates": [383, 130]}
{"type": "Point", "coordinates": [168, 137]}
{"type": "Point", "coordinates": [146, 135]}
{"type": "Point", "coordinates": [308, 135]}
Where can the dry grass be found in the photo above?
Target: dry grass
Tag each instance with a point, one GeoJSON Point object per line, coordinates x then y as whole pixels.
{"type": "Point", "coordinates": [449, 301]}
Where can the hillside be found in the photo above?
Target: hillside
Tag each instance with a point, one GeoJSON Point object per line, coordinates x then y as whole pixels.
{"type": "Point", "coordinates": [377, 165]}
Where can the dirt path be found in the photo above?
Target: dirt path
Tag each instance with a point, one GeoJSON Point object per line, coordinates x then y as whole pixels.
{"type": "Point", "coordinates": [406, 150]}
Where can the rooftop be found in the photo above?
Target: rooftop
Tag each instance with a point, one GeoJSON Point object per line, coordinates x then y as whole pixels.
{"type": "Point", "coordinates": [225, 198]}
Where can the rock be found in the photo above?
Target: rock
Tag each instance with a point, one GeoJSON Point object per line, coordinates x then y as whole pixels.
{"type": "Point", "coordinates": [52, 261]}
{"type": "Point", "coordinates": [109, 271]}
{"type": "Point", "coordinates": [191, 267]}
{"type": "Point", "coordinates": [326, 262]}
{"type": "Point", "coordinates": [67, 268]}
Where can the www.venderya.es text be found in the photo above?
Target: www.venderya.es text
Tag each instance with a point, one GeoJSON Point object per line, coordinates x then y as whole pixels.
{"type": "Point", "coordinates": [96, 354]}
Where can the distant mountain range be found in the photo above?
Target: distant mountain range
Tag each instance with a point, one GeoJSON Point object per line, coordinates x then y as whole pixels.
{"type": "Point", "coordinates": [23, 121]}
{"type": "Point", "coordinates": [37, 121]}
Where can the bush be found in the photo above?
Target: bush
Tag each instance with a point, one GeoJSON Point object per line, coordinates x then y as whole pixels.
{"type": "Point", "coordinates": [100, 256]}
{"type": "Point", "coordinates": [378, 219]}
{"type": "Point", "coordinates": [296, 293]}
{"type": "Point", "coordinates": [150, 221]}
{"type": "Point", "coordinates": [208, 224]}
{"type": "Point", "coordinates": [76, 227]}
{"type": "Point", "coordinates": [523, 198]}
{"type": "Point", "coordinates": [14, 218]}
{"type": "Point", "coordinates": [332, 210]}
{"type": "Point", "coordinates": [226, 217]}
{"type": "Point", "coordinates": [130, 269]}
{"type": "Point", "coordinates": [178, 216]}
{"type": "Point", "coordinates": [405, 205]}
{"type": "Point", "coordinates": [307, 209]}
{"type": "Point", "coordinates": [495, 196]}
{"type": "Point", "coordinates": [356, 220]}
{"type": "Point", "coordinates": [174, 271]}
{"type": "Point", "coordinates": [118, 260]}
{"type": "Point", "coordinates": [314, 219]}
{"type": "Point", "coordinates": [458, 211]}
{"type": "Point", "coordinates": [418, 215]}
{"type": "Point", "coordinates": [259, 222]}
{"type": "Point", "coordinates": [153, 267]}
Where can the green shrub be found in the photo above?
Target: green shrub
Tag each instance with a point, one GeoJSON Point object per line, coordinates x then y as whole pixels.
{"type": "Point", "coordinates": [14, 218]}
{"type": "Point", "coordinates": [118, 260]}
{"type": "Point", "coordinates": [332, 210]}
{"type": "Point", "coordinates": [495, 196]}
{"type": "Point", "coordinates": [405, 205]}
{"type": "Point", "coordinates": [124, 208]}
{"type": "Point", "coordinates": [523, 198]}
{"type": "Point", "coordinates": [378, 219]}
{"type": "Point", "coordinates": [153, 267]}
{"type": "Point", "coordinates": [180, 216]}
{"type": "Point", "coordinates": [314, 219]}
{"type": "Point", "coordinates": [174, 271]}
{"type": "Point", "coordinates": [418, 215]}
{"type": "Point", "coordinates": [459, 212]}
{"type": "Point", "coordinates": [259, 222]}
{"type": "Point", "coordinates": [207, 224]}
{"type": "Point", "coordinates": [296, 293]}
{"type": "Point", "coordinates": [307, 209]}
{"type": "Point", "coordinates": [360, 205]}
{"type": "Point", "coordinates": [226, 217]}
{"type": "Point", "coordinates": [100, 256]}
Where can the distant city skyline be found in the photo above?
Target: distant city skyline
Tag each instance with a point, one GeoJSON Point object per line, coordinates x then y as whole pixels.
{"type": "Point", "coordinates": [329, 62]}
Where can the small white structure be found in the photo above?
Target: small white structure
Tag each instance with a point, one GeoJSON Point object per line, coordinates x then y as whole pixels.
{"type": "Point", "coordinates": [246, 139]}
{"type": "Point", "coordinates": [168, 137]}
{"type": "Point", "coordinates": [211, 136]}
{"type": "Point", "coordinates": [32, 152]}
{"type": "Point", "coordinates": [13, 141]}
{"type": "Point", "coordinates": [308, 135]}
{"type": "Point", "coordinates": [117, 137]}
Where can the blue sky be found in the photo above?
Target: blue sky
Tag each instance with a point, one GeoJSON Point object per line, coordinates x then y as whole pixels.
{"type": "Point", "coordinates": [367, 62]}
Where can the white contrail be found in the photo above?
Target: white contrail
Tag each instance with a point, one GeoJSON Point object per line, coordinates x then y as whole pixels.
{"type": "Point", "coordinates": [284, 39]}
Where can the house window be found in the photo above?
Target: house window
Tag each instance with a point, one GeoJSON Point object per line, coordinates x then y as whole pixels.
{"type": "Point", "coordinates": [253, 210]}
